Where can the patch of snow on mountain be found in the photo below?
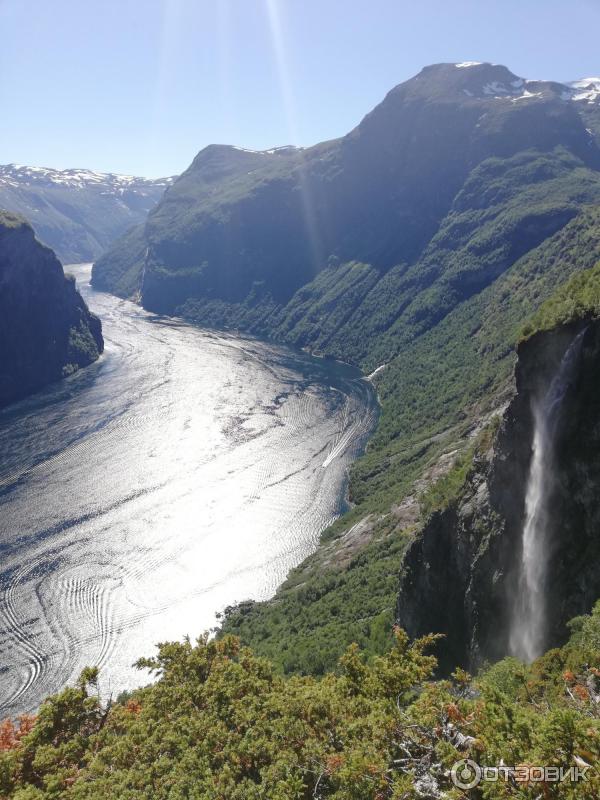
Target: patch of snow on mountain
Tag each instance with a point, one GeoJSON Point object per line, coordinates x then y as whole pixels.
{"type": "Point", "coordinates": [495, 89]}
{"type": "Point", "coordinates": [584, 83]}
{"type": "Point", "coordinates": [286, 148]}
{"type": "Point", "coordinates": [526, 95]}
{"type": "Point", "coordinates": [464, 64]}
{"type": "Point", "coordinates": [246, 150]}
{"type": "Point", "coordinates": [585, 90]}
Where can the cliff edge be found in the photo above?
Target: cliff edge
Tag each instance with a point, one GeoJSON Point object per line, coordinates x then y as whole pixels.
{"type": "Point", "coordinates": [463, 573]}
{"type": "Point", "coordinates": [46, 329]}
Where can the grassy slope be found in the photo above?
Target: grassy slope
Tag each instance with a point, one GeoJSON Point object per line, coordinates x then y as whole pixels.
{"type": "Point", "coordinates": [505, 208]}
{"type": "Point", "coordinates": [466, 361]}
{"type": "Point", "coordinates": [122, 275]}
{"type": "Point", "coordinates": [577, 299]}
{"type": "Point", "coordinates": [458, 372]}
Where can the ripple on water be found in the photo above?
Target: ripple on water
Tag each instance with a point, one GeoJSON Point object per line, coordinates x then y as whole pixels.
{"type": "Point", "coordinates": [185, 471]}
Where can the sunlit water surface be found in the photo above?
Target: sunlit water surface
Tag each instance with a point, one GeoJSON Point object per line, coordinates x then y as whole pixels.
{"type": "Point", "coordinates": [184, 471]}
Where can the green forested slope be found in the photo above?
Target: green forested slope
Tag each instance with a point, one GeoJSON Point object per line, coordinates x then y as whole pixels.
{"type": "Point", "coordinates": [506, 208]}
{"type": "Point", "coordinates": [433, 395]}
{"type": "Point", "coordinates": [576, 299]}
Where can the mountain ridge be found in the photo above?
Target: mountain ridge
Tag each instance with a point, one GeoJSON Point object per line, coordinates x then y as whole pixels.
{"type": "Point", "coordinates": [77, 212]}
{"type": "Point", "coordinates": [497, 113]}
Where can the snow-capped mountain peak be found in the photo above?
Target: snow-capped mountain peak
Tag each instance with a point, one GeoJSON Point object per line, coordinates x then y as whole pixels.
{"type": "Point", "coordinates": [586, 90]}
{"type": "Point", "coordinates": [492, 81]}
{"type": "Point", "coordinates": [17, 175]}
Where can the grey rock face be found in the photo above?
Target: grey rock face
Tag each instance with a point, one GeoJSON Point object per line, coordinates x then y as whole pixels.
{"type": "Point", "coordinates": [461, 574]}
{"type": "Point", "coordinates": [46, 329]}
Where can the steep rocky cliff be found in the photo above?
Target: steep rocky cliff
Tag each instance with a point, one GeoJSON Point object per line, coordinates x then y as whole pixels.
{"type": "Point", "coordinates": [461, 574]}
{"type": "Point", "coordinates": [46, 329]}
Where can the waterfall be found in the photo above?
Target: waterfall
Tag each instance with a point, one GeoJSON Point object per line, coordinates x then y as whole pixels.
{"type": "Point", "coordinates": [529, 624]}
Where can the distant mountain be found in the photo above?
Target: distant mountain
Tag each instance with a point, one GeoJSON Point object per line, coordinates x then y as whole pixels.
{"type": "Point", "coordinates": [240, 232]}
{"type": "Point", "coordinates": [77, 212]}
{"type": "Point", "coordinates": [46, 329]}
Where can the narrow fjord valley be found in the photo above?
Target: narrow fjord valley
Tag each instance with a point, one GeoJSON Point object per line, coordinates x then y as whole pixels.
{"type": "Point", "coordinates": [449, 248]}
{"type": "Point", "coordinates": [77, 212]}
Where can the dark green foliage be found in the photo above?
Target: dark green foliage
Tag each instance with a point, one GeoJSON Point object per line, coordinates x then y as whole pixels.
{"type": "Point", "coordinates": [322, 608]}
{"type": "Point", "coordinates": [123, 279]}
{"type": "Point", "coordinates": [442, 493]}
{"type": "Point", "coordinates": [221, 724]}
{"type": "Point", "coordinates": [585, 639]}
{"type": "Point", "coordinates": [82, 348]}
{"type": "Point", "coordinates": [577, 299]}
{"type": "Point", "coordinates": [318, 311]}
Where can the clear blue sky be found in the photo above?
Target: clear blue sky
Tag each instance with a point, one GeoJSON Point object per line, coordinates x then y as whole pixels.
{"type": "Point", "coordinates": [139, 86]}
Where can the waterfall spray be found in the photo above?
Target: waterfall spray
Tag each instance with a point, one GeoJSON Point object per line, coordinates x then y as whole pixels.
{"type": "Point", "coordinates": [529, 624]}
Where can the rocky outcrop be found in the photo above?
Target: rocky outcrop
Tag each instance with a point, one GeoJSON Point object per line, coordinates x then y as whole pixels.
{"type": "Point", "coordinates": [46, 330]}
{"type": "Point", "coordinates": [461, 574]}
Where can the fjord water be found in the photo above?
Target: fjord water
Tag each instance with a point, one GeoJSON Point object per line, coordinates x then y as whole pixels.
{"type": "Point", "coordinates": [184, 471]}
